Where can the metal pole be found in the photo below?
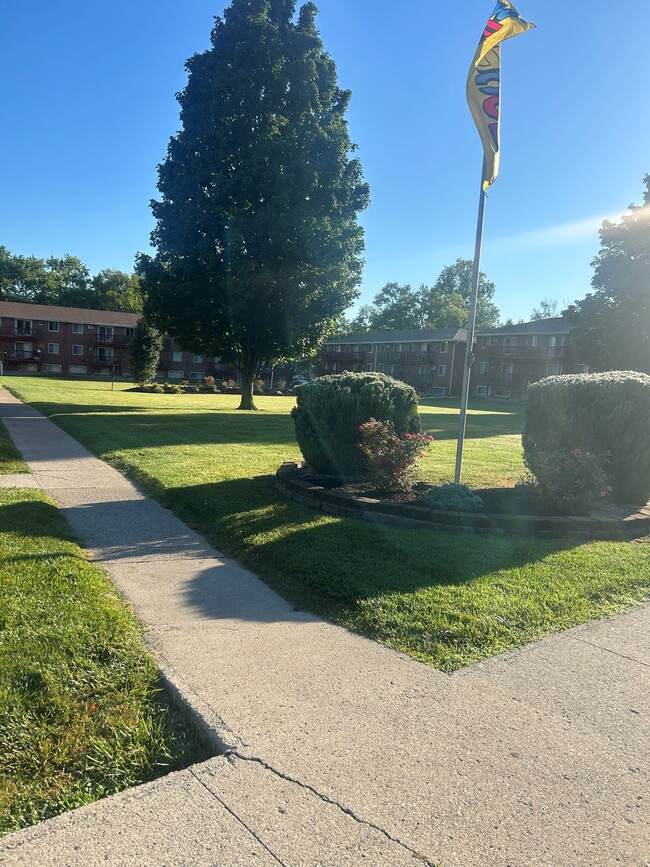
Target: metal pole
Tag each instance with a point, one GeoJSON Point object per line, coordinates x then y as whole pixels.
{"type": "Point", "coordinates": [469, 354]}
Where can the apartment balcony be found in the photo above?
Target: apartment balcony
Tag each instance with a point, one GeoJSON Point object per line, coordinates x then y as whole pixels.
{"type": "Point", "coordinates": [107, 339]}
{"type": "Point", "coordinates": [344, 356]}
{"type": "Point", "coordinates": [22, 355]}
{"type": "Point", "coordinates": [407, 357]}
{"type": "Point", "coordinates": [532, 352]}
{"type": "Point", "coordinates": [496, 378]}
{"type": "Point", "coordinates": [8, 333]}
{"type": "Point", "coordinates": [100, 358]}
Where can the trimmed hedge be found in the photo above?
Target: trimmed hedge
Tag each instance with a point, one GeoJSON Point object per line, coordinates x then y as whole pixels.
{"type": "Point", "coordinates": [331, 409]}
{"type": "Point", "coordinates": [606, 414]}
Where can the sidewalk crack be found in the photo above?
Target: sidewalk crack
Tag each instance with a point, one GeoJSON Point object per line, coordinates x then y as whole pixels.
{"type": "Point", "coordinates": [238, 819]}
{"type": "Point", "coordinates": [327, 800]}
{"type": "Point", "coordinates": [608, 650]}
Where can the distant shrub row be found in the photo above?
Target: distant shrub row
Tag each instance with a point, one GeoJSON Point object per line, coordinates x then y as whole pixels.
{"type": "Point", "coordinates": [583, 430]}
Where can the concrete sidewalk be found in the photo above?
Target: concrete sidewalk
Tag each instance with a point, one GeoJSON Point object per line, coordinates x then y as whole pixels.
{"type": "Point", "coordinates": [341, 751]}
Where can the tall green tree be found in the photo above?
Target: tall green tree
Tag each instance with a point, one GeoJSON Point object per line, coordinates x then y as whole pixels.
{"type": "Point", "coordinates": [548, 308]}
{"type": "Point", "coordinates": [611, 326]}
{"type": "Point", "coordinates": [449, 298]}
{"type": "Point", "coordinates": [117, 290]}
{"type": "Point", "coordinates": [144, 350]}
{"type": "Point", "coordinates": [257, 239]}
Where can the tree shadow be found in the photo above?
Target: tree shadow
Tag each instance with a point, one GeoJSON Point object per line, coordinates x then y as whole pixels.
{"type": "Point", "coordinates": [326, 564]}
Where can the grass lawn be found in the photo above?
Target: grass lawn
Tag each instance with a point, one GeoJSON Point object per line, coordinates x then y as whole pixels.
{"type": "Point", "coordinates": [82, 714]}
{"type": "Point", "coordinates": [10, 458]}
{"type": "Point", "coordinates": [443, 598]}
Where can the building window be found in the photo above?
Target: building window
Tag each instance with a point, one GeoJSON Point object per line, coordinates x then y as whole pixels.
{"type": "Point", "coordinates": [484, 367]}
{"type": "Point", "coordinates": [128, 332]}
{"type": "Point", "coordinates": [23, 327]}
{"type": "Point", "coordinates": [196, 374]}
{"type": "Point", "coordinates": [337, 347]}
{"type": "Point", "coordinates": [105, 332]}
{"type": "Point", "coordinates": [52, 348]}
{"type": "Point", "coordinates": [583, 368]}
{"type": "Point", "coordinates": [507, 368]}
{"type": "Point", "coordinates": [368, 347]}
{"type": "Point", "coordinates": [77, 328]}
{"type": "Point", "coordinates": [502, 392]}
{"type": "Point", "coordinates": [369, 368]}
{"type": "Point", "coordinates": [51, 368]}
{"type": "Point", "coordinates": [52, 326]}
{"type": "Point", "coordinates": [532, 340]}
{"type": "Point", "coordinates": [481, 391]}
{"type": "Point", "coordinates": [439, 391]}
{"type": "Point", "coordinates": [556, 340]}
{"type": "Point", "coordinates": [553, 369]}
{"type": "Point", "coordinates": [442, 369]}
{"type": "Point", "coordinates": [444, 345]}
{"type": "Point", "coordinates": [176, 374]}
{"type": "Point", "coordinates": [423, 370]}
{"type": "Point", "coordinates": [197, 359]}
{"type": "Point", "coordinates": [77, 349]}
{"type": "Point", "coordinates": [177, 355]}
{"type": "Point", "coordinates": [77, 369]}
{"type": "Point", "coordinates": [485, 342]}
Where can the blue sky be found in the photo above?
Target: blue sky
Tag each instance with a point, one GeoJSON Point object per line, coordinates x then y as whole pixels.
{"type": "Point", "coordinates": [89, 106]}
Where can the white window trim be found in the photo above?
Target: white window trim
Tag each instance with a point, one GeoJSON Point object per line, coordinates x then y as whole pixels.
{"type": "Point", "coordinates": [53, 327]}
{"type": "Point", "coordinates": [442, 370]}
{"type": "Point", "coordinates": [51, 351]}
{"type": "Point", "coordinates": [77, 346]}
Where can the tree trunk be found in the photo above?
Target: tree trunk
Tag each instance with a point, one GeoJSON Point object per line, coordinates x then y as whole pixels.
{"type": "Point", "coordinates": [247, 401]}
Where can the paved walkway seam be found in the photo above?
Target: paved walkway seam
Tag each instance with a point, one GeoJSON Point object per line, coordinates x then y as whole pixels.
{"type": "Point", "coordinates": [238, 818]}
{"type": "Point", "coordinates": [327, 800]}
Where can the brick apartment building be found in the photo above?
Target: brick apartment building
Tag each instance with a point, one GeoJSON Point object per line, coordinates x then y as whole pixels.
{"type": "Point", "coordinates": [38, 338]}
{"type": "Point", "coordinates": [508, 359]}
{"type": "Point", "coordinates": [430, 360]}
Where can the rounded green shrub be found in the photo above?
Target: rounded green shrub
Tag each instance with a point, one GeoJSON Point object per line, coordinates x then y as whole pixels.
{"type": "Point", "coordinates": [331, 409]}
{"type": "Point", "coordinates": [605, 414]}
{"type": "Point", "coordinates": [451, 497]}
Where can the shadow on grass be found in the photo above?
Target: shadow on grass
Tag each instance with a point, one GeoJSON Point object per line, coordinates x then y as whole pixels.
{"type": "Point", "coordinates": [143, 428]}
{"type": "Point", "coordinates": [327, 565]}
{"type": "Point", "coordinates": [32, 517]}
{"type": "Point", "coordinates": [445, 427]}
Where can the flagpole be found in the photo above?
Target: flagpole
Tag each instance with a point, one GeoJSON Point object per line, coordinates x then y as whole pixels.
{"type": "Point", "coordinates": [471, 326]}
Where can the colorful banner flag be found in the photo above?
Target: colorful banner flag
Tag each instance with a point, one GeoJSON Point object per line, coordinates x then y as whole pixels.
{"type": "Point", "coordinates": [484, 81]}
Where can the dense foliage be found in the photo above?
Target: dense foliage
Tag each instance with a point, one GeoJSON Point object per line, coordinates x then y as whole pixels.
{"type": "Point", "coordinates": [605, 414]}
{"type": "Point", "coordinates": [391, 459]}
{"type": "Point", "coordinates": [66, 282]}
{"type": "Point", "coordinates": [570, 482]}
{"type": "Point", "coordinates": [330, 411]}
{"type": "Point", "coordinates": [611, 326]}
{"type": "Point", "coordinates": [258, 244]}
{"type": "Point", "coordinates": [144, 351]}
{"type": "Point", "coordinates": [443, 305]}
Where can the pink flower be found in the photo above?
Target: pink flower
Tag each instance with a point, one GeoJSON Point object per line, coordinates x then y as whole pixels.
{"type": "Point", "coordinates": [603, 493]}
{"type": "Point", "coordinates": [576, 452]}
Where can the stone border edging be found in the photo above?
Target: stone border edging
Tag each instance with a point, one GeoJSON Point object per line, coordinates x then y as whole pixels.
{"type": "Point", "coordinates": [409, 516]}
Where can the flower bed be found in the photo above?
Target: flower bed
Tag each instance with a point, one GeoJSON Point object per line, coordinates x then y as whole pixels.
{"type": "Point", "coordinates": [294, 481]}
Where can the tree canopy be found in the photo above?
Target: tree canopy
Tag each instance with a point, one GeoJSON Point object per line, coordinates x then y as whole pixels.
{"type": "Point", "coordinates": [257, 240]}
{"type": "Point", "coordinates": [611, 326]}
{"type": "Point", "coordinates": [444, 305]}
{"type": "Point", "coordinates": [65, 281]}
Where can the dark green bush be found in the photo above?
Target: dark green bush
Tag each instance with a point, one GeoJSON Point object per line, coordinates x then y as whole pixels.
{"type": "Point", "coordinates": [331, 409]}
{"type": "Point", "coordinates": [606, 414]}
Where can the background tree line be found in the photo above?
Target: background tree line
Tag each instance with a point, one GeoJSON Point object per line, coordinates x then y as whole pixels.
{"type": "Point", "coordinates": [65, 281]}
{"type": "Point", "coordinates": [444, 305]}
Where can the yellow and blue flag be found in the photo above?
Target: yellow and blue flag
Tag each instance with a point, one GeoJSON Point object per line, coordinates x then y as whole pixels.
{"type": "Point", "coordinates": [484, 81]}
